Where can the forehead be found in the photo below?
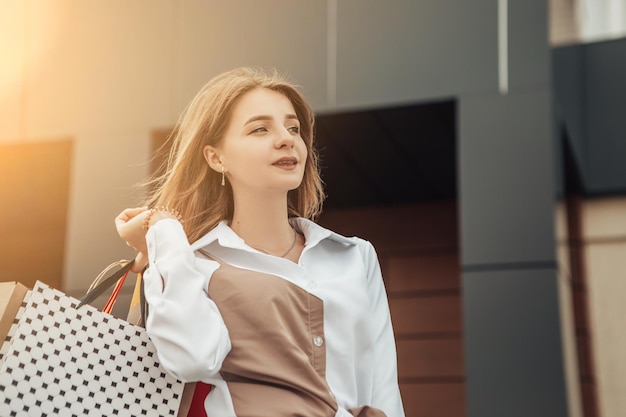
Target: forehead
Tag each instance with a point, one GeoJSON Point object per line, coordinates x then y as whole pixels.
{"type": "Point", "coordinates": [262, 101]}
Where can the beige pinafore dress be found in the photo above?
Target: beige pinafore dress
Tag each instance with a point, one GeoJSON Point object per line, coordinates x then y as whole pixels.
{"type": "Point", "coordinates": [277, 364]}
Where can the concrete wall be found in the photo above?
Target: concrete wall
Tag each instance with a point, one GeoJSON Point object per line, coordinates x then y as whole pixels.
{"type": "Point", "coordinates": [107, 73]}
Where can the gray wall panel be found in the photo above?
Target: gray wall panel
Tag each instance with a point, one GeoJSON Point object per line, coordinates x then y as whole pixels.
{"type": "Point", "coordinates": [606, 124]}
{"type": "Point", "coordinates": [513, 347]}
{"type": "Point", "coordinates": [529, 58]}
{"type": "Point", "coordinates": [287, 35]}
{"type": "Point", "coordinates": [590, 97]}
{"type": "Point", "coordinates": [402, 51]}
{"type": "Point", "coordinates": [506, 178]}
{"type": "Point", "coordinates": [568, 78]}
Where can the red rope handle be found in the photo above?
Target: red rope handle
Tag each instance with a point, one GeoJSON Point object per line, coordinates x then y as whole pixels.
{"type": "Point", "coordinates": [108, 307]}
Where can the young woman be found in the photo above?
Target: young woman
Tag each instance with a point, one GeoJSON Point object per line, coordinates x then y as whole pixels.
{"type": "Point", "coordinates": [245, 292]}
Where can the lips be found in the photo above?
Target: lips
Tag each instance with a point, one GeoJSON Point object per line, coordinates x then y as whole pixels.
{"type": "Point", "coordinates": [286, 162]}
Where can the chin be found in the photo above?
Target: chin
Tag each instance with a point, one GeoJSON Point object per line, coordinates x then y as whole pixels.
{"type": "Point", "coordinates": [292, 185]}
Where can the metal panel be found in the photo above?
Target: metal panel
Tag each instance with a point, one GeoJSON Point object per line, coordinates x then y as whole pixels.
{"type": "Point", "coordinates": [513, 347]}
{"type": "Point", "coordinates": [606, 128]}
{"type": "Point", "coordinates": [506, 179]}
{"type": "Point", "coordinates": [528, 51]}
{"type": "Point", "coordinates": [569, 96]}
{"type": "Point", "coordinates": [399, 51]}
{"type": "Point", "coordinates": [219, 35]}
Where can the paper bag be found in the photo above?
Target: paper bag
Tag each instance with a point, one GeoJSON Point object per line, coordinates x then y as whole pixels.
{"type": "Point", "coordinates": [11, 297]}
{"type": "Point", "coordinates": [68, 361]}
{"type": "Point", "coordinates": [192, 400]}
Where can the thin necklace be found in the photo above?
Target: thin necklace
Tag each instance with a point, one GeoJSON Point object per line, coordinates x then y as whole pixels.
{"type": "Point", "coordinates": [295, 235]}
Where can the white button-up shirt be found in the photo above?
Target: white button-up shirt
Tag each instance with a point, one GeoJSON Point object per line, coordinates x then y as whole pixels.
{"type": "Point", "coordinates": [192, 340]}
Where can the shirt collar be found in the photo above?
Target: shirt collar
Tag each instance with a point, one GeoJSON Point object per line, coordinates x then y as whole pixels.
{"type": "Point", "coordinates": [313, 233]}
{"type": "Point", "coordinates": [221, 233]}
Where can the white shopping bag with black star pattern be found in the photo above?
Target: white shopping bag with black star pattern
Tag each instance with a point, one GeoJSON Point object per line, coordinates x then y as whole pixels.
{"type": "Point", "coordinates": [62, 361]}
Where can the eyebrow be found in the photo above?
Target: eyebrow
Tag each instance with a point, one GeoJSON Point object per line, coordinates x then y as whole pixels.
{"type": "Point", "coordinates": [266, 117]}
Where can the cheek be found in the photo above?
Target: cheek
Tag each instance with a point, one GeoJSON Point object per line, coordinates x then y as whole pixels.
{"type": "Point", "coordinates": [242, 156]}
{"type": "Point", "coordinates": [302, 150]}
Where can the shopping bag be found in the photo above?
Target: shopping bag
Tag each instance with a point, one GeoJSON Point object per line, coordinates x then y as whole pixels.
{"type": "Point", "coordinates": [137, 312]}
{"type": "Point", "coordinates": [192, 401]}
{"type": "Point", "coordinates": [136, 302]}
{"type": "Point", "coordinates": [66, 360]}
{"type": "Point", "coordinates": [11, 296]}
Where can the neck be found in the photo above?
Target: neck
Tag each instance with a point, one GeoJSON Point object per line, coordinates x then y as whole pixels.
{"type": "Point", "coordinates": [262, 222]}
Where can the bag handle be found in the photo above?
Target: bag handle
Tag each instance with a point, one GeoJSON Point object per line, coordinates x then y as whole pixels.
{"type": "Point", "coordinates": [108, 307]}
{"type": "Point", "coordinates": [143, 304]}
{"type": "Point", "coordinates": [100, 285]}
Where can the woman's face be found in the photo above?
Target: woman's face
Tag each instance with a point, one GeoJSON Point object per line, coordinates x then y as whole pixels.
{"type": "Point", "coordinates": [262, 150]}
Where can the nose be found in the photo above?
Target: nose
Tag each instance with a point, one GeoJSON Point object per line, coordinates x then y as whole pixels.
{"type": "Point", "coordinates": [285, 139]}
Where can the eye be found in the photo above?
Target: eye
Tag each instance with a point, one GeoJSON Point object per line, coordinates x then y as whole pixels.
{"type": "Point", "coordinates": [294, 129]}
{"type": "Point", "coordinates": [261, 129]}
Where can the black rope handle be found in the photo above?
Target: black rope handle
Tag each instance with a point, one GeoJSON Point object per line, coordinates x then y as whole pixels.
{"type": "Point", "coordinates": [143, 304]}
{"type": "Point", "coordinates": [105, 284]}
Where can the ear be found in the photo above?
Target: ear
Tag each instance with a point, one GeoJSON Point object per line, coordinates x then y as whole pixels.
{"type": "Point", "coordinates": [213, 157]}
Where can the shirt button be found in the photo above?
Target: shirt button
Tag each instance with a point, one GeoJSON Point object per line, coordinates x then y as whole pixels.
{"type": "Point", "coordinates": [311, 285]}
{"type": "Point", "coordinates": [318, 341]}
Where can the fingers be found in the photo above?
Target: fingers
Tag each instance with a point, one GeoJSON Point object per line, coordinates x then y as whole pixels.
{"type": "Point", "coordinates": [141, 260]}
{"type": "Point", "coordinates": [129, 225]}
{"type": "Point", "coordinates": [130, 229]}
{"type": "Point", "coordinates": [128, 214]}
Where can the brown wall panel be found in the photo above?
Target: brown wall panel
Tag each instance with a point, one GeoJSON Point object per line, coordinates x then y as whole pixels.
{"type": "Point", "coordinates": [585, 366]}
{"type": "Point", "coordinates": [29, 256]}
{"type": "Point", "coordinates": [590, 406]}
{"type": "Point", "coordinates": [34, 190]}
{"type": "Point", "coordinates": [430, 358]}
{"type": "Point", "coordinates": [581, 312]}
{"type": "Point", "coordinates": [434, 400]}
{"type": "Point", "coordinates": [406, 228]}
{"type": "Point", "coordinates": [422, 272]}
{"type": "Point", "coordinates": [426, 315]}
{"type": "Point", "coordinates": [576, 245]}
{"type": "Point", "coordinates": [418, 251]}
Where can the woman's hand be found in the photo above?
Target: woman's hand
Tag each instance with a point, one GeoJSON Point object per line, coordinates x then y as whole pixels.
{"type": "Point", "coordinates": [129, 225]}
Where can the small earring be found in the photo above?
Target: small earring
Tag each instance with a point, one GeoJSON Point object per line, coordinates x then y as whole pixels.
{"type": "Point", "coordinates": [223, 178]}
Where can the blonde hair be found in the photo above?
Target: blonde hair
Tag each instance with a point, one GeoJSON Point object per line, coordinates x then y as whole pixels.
{"type": "Point", "coordinates": [190, 186]}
